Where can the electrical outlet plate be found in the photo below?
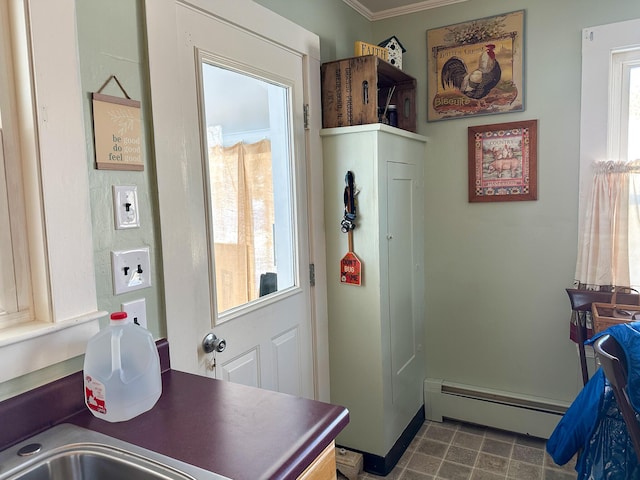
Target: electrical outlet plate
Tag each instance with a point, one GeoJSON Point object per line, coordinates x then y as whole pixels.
{"type": "Point", "coordinates": [125, 206]}
{"type": "Point", "coordinates": [136, 311]}
{"type": "Point", "coordinates": [131, 270]}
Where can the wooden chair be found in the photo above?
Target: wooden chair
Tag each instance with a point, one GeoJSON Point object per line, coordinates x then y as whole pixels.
{"type": "Point", "coordinates": [613, 361]}
{"type": "Point", "coordinates": [581, 301]}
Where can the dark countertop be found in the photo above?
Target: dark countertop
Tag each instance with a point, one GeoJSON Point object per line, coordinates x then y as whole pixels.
{"type": "Point", "coordinates": [237, 431]}
{"type": "Point", "coordinates": [233, 430]}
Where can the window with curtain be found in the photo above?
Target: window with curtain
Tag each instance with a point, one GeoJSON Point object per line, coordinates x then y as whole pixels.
{"type": "Point", "coordinates": [609, 230]}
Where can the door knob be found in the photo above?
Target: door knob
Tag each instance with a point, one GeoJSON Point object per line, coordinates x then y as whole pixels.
{"type": "Point", "coordinates": [211, 344]}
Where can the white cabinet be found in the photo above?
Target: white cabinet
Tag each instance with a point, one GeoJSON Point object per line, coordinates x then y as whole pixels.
{"type": "Point", "coordinates": [376, 330]}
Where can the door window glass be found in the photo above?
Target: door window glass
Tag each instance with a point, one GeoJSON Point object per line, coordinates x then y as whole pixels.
{"type": "Point", "coordinates": [250, 188]}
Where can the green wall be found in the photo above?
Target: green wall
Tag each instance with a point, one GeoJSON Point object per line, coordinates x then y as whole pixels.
{"type": "Point", "coordinates": [497, 314]}
{"type": "Point", "coordinates": [111, 42]}
{"type": "Point", "coordinates": [337, 24]}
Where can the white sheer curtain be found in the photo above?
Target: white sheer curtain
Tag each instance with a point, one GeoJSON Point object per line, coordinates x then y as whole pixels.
{"type": "Point", "coordinates": [609, 242]}
{"type": "Point", "coordinates": [609, 239]}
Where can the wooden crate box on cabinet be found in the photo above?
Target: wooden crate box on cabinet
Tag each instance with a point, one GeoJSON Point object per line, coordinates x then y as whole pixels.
{"type": "Point", "coordinates": [354, 88]}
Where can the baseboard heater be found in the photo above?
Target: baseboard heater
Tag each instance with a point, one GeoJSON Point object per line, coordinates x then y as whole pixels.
{"type": "Point", "coordinates": [498, 409]}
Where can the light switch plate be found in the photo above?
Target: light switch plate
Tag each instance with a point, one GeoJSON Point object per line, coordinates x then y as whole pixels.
{"type": "Point", "coordinates": [131, 270]}
{"type": "Point", "coordinates": [136, 311]}
{"type": "Point", "coordinates": [125, 206]}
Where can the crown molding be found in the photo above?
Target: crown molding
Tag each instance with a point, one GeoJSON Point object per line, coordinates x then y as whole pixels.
{"type": "Point", "coordinates": [397, 11]}
{"type": "Point", "coordinates": [361, 9]}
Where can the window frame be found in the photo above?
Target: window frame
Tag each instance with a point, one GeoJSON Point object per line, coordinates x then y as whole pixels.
{"type": "Point", "coordinates": [598, 44]}
{"type": "Point", "coordinates": [57, 203]}
{"type": "Point", "coordinates": [8, 287]}
{"type": "Point", "coordinates": [13, 244]}
{"type": "Point", "coordinates": [622, 61]}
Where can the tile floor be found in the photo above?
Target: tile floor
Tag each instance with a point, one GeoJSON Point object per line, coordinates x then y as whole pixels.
{"type": "Point", "coordinates": [459, 451]}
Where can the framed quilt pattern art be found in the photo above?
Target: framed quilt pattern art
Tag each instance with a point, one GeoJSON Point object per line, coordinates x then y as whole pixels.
{"type": "Point", "coordinates": [503, 162]}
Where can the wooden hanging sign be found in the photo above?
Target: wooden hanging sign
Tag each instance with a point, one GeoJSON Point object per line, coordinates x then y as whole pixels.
{"type": "Point", "coordinates": [117, 131]}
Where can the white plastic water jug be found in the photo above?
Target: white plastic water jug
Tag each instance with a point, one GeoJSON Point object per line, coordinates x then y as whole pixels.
{"type": "Point", "coordinates": [121, 371]}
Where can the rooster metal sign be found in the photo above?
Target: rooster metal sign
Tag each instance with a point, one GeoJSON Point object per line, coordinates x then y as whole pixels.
{"type": "Point", "coordinates": [476, 68]}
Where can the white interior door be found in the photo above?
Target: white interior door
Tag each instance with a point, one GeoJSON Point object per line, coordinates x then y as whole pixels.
{"type": "Point", "coordinates": [272, 341]}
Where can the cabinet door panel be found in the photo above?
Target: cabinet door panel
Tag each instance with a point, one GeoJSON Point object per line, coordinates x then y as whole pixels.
{"type": "Point", "coordinates": [402, 319]}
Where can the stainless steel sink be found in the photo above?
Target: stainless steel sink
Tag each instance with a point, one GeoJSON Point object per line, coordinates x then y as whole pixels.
{"type": "Point", "coordinates": [68, 452]}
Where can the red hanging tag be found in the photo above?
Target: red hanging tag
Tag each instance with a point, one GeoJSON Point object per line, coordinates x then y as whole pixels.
{"type": "Point", "coordinates": [350, 269]}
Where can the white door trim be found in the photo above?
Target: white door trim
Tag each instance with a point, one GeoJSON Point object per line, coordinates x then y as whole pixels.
{"type": "Point", "coordinates": [170, 159]}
